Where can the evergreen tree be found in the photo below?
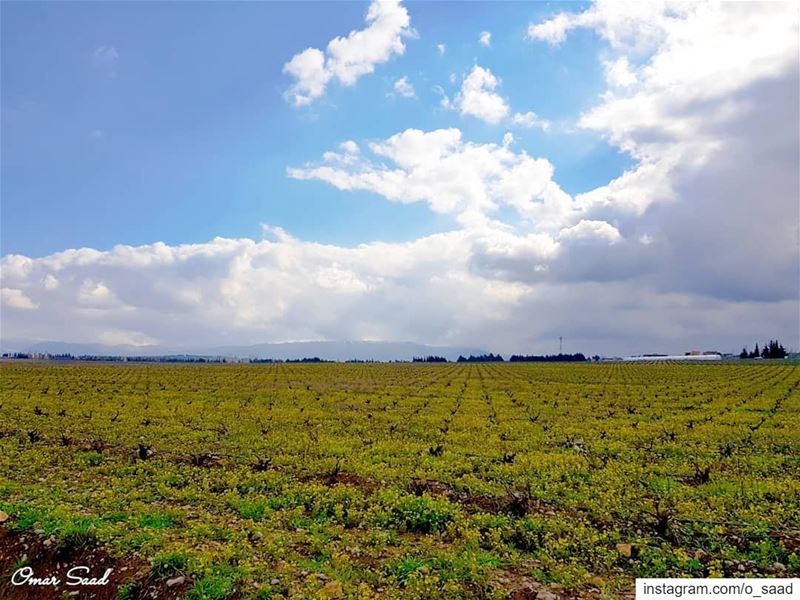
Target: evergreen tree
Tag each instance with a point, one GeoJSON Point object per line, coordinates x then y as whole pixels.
{"type": "Point", "coordinates": [770, 350]}
{"type": "Point", "coordinates": [774, 350]}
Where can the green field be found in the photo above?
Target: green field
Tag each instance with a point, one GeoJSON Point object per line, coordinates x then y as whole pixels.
{"type": "Point", "coordinates": [400, 480]}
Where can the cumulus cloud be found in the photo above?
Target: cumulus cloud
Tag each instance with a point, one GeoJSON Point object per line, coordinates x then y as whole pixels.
{"type": "Point", "coordinates": [15, 298]}
{"type": "Point", "coordinates": [94, 293]}
{"type": "Point", "coordinates": [123, 337]}
{"type": "Point", "coordinates": [278, 289]}
{"type": "Point", "coordinates": [350, 147]}
{"type": "Point", "coordinates": [485, 39]}
{"type": "Point", "coordinates": [591, 230]}
{"type": "Point", "coordinates": [504, 290]}
{"type": "Point", "coordinates": [682, 109]}
{"type": "Point", "coordinates": [478, 98]}
{"type": "Point", "coordinates": [619, 73]}
{"type": "Point", "coordinates": [348, 58]}
{"type": "Point", "coordinates": [404, 88]}
{"type": "Point", "coordinates": [530, 119]}
{"type": "Point", "coordinates": [441, 48]}
{"type": "Point", "coordinates": [308, 68]}
{"type": "Point", "coordinates": [695, 245]}
{"type": "Point", "coordinates": [625, 24]}
{"type": "Point", "coordinates": [715, 88]}
{"type": "Point", "coordinates": [467, 180]}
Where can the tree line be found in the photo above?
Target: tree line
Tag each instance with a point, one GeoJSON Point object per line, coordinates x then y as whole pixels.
{"type": "Point", "coordinates": [481, 358]}
{"type": "Point", "coordinates": [492, 357]}
{"type": "Point", "coordinates": [577, 357]}
{"type": "Point", "coordinates": [771, 350]}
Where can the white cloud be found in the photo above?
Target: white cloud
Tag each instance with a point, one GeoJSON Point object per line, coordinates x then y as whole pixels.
{"type": "Point", "coordinates": [350, 147]}
{"type": "Point", "coordinates": [308, 68]}
{"type": "Point", "coordinates": [237, 291]}
{"type": "Point", "coordinates": [700, 54]}
{"type": "Point", "coordinates": [105, 58]}
{"type": "Point", "coordinates": [467, 180]}
{"type": "Point", "coordinates": [485, 39]}
{"type": "Point", "coordinates": [591, 230]}
{"type": "Point", "coordinates": [404, 87]}
{"type": "Point", "coordinates": [478, 98]}
{"type": "Point", "coordinates": [15, 298]}
{"type": "Point", "coordinates": [627, 24]}
{"type": "Point", "coordinates": [699, 233]}
{"type": "Point", "coordinates": [50, 282]}
{"type": "Point", "coordinates": [124, 337]}
{"type": "Point", "coordinates": [530, 119]}
{"type": "Point", "coordinates": [275, 233]}
{"type": "Point", "coordinates": [619, 73]}
{"type": "Point", "coordinates": [105, 55]}
{"type": "Point", "coordinates": [96, 294]}
{"type": "Point", "coordinates": [715, 88]}
{"type": "Point", "coordinates": [16, 267]}
{"type": "Point", "coordinates": [280, 289]}
{"type": "Point", "coordinates": [444, 101]}
{"type": "Point", "coordinates": [441, 48]}
{"type": "Point", "coordinates": [553, 31]}
{"type": "Point", "coordinates": [348, 58]}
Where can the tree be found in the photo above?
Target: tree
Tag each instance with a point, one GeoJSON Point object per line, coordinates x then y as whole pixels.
{"type": "Point", "coordinates": [772, 349]}
{"type": "Point", "coordinates": [481, 358]}
{"type": "Point", "coordinates": [429, 359]}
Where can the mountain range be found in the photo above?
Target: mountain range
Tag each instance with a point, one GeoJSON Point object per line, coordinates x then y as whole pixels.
{"type": "Point", "coordinates": [339, 351]}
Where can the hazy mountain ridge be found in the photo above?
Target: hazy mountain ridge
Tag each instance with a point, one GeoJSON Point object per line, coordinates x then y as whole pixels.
{"type": "Point", "coordinates": [348, 350]}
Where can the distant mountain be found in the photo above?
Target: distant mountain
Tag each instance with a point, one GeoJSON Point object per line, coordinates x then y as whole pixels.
{"type": "Point", "coordinates": [381, 351]}
{"type": "Point", "coordinates": [88, 349]}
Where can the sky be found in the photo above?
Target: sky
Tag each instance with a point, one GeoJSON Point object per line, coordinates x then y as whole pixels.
{"type": "Point", "coordinates": [622, 175]}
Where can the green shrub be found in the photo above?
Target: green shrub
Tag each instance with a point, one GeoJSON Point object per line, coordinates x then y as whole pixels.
{"type": "Point", "coordinates": [90, 457]}
{"type": "Point", "coordinates": [167, 564]}
{"type": "Point", "coordinates": [253, 509]}
{"type": "Point", "coordinates": [421, 514]}
{"type": "Point", "coordinates": [212, 587]}
{"type": "Point", "coordinates": [160, 519]}
{"type": "Point", "coordinates": [77, 533]}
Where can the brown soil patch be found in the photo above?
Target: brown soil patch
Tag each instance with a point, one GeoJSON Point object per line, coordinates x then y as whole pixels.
{"type": "Point", "coordinates": [790, 539]}
{"type": "Point", "coordinates": [515, 503]}
{"type": "Point", "coordinates": [362, 483]}
{"type": "Point", "coordinates": [203, 460]}
{"type": "Point", "coordinates": [50, 561]}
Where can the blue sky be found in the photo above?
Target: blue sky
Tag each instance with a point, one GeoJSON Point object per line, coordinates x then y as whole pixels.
{"type": "Point", "coordinates": [493, 174]}
{"type": "Point", "coordinates": [182, 134]}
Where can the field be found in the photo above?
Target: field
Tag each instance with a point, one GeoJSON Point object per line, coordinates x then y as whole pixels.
{"type": "Point", "coordinates": [397, 480]}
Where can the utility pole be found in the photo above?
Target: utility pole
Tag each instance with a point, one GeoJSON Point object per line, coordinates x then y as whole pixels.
{"type": "Point", "coordinates": [560, 345]}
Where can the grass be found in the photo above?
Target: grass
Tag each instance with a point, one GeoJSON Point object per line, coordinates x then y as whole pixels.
{"type": "Point", "coordinates": [408, 481]}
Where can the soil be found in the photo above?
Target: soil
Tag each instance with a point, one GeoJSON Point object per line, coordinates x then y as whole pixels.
{"type": "Point", "coordinates": [48, 560]}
